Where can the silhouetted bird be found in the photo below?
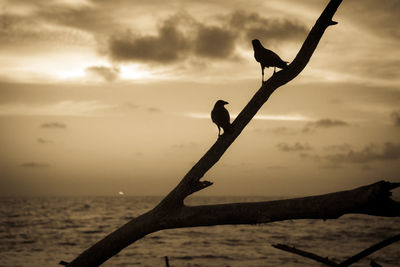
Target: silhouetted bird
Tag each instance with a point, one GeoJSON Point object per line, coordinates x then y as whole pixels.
{"type": "Point", "coordinates": [266, 57]}
{"type": "Point", "coordinates": [220, 116]}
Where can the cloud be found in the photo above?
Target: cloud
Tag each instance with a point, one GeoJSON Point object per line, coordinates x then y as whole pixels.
{"type": "Point", "coordinates": [395, 116]}
{"type": "Point", "coordinates": [267, 30]}
{"type": "Point", "coordinates": [43, 141]}
{"type": "Point", "coordinates": [62, 108]}
{"type": "Point", "coordinates": [106, 73]}
{"type": "Point", "coordinates": [167, 46]}
{"type": "Point", "coordinates": [276, 167]}
{"type": "Point", "coordinates": [324, 123]}
{"type": "Point", "coordinates": [53, 125]}
{"type": "Point", "coordinates": [294, 148]}
{"type": "Point", "coordinates": [278, 131]}
{"type": "Point", "coordinates": [89, 18]}
{"type": "Point", "coordinates": [338, 148]}
{"type": "Point", "coordinates": [31, 32]}
{"type": "Point", "coordinates": [370, 153]}
{"type": "Point", "coordinates": [153, 109]}
{"type": "Point", "coordinates": [34, 165]}
{"type": "Point", "coordinates": [181, 37]}
{"type": "Point", "coordinates": [214, 42]}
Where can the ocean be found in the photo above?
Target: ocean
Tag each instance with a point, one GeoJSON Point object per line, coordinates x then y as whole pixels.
{"type": "Point", "coordinates": [41, 231]}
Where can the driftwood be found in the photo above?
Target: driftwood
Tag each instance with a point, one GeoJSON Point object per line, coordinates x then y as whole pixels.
{"type": "Point", "coordinates": [345, 263]}
{"type": "Point", "coordinates": [171, 212]}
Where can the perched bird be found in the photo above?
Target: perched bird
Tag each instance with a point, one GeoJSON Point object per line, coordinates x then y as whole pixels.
{"type": "Point", "coordinates": [220, 116]}
{"type": "Point", "coordinates": [266, 57]}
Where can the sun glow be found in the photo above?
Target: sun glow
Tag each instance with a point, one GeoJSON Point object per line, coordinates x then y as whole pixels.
{"type": "Point", "coordinates": [134, 72]}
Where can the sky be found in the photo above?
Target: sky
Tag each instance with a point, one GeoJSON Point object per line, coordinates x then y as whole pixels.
{"type": "Point", "coordinates": [101, 97]}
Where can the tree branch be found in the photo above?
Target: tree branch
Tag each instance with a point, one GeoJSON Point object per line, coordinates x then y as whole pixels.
{"type": "Point", "coordinates": [183, 189]}
{"type": "Point", "coordinates": [305, 254]}
{"type": "Point", "coordinates": [329, 206]}
{"type": "Point", "coordinates": [349, 261]}
{"type": "Point", "coordinates": [172, 213]}
{"type": "Point", "coordinates": [370, 250]}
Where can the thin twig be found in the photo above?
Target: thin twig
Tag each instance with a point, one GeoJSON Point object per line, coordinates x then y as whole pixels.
{"type": "Point", "coordinates": [305, 254]}
{"type": "Point", "coordinates": [370, 250]}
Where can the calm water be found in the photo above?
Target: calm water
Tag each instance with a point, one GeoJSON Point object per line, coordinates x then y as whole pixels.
{"type": "Point", "coordinates": [42, 231]}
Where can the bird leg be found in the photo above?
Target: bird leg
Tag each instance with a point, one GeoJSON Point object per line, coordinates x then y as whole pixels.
{"type": "Point", "coordinates": [262, 71]}
{"type": "Point", "coordinates": [274, 70]}
{"type": "Point", "coordinates": [219, 131]}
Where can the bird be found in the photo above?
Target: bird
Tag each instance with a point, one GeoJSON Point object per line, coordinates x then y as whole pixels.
{"type": "Point", "coordinates": [267, 58]}
{"type": "Point", "coordinates": [220, 116]}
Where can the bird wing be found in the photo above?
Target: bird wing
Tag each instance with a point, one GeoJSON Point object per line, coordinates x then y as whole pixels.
{"type": "Point", "coordinates": [225, 118]}
{"type": "Point", "coordinates": [220, 116]}
{"type": "Point", "coordinates": [268, 58]}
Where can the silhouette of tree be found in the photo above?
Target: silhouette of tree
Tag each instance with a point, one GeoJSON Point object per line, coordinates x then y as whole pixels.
{"type": "Point", "coordinates": [172, 213]}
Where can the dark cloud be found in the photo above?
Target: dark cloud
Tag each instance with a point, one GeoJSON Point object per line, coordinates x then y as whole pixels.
{"type": "Point", "coordinates": [106, 73]}
{"type": "Point", "coordinates": [53, 125]}
{"type": "Point", "coordinates": [284, 131]}
{"type": "Point", "coordinates": [125, 108]}
{"type": "Point", "coordinates": [327, 123]}
{"type": "Point", "coordinates": [25, 31]}
{"type": "Point", "coordinates": [297, 147]}
{"type": "Point", "coordinates": [267, 30]}
{"type": "Point", "coordinates": [16, 28]}
{"type": "Point", "coordinates": [370, 153]}
{"type": "Point", "coordinates": [43, 141]}
{"type": "Point", "coordinates": [167, 46]}
{"type": "Point", "coordinates": [395, 116]}
{"type": "Point", "coordinates": [323, 123]}
{"type": "Point", "coordinates": [214, 42]}
{"type": "Point", "coordinates": [181, 37]}
{"type": "Point", "coordinates": [276, 167]}
{"type": "Point", "coordinates": [153, 109]}
{"type": "Point", "coordinates": [90, 18]}
{"type": "Point", "coordinates": [34, 165]}
{"type": "Point", "coordinates": [338, 148]}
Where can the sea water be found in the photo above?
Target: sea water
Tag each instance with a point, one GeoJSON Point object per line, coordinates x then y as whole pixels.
{"type": "Point", "coordinates": [41, 231]}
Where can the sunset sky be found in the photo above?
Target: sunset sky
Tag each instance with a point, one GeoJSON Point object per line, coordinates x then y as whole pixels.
{"type": "Point", "coordinates": [101, 97]}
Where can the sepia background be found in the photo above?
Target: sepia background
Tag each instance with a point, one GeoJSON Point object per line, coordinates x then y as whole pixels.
{"type": "Point", "coordinates": [102, 97]}
{"type": "Point", "coordinates": [105, 105]}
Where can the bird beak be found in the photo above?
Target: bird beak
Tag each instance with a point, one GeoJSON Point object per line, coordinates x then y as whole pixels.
{"type": "Point", "coordinates": [225, 103]}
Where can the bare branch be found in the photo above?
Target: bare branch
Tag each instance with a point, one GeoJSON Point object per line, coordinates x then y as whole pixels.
{"type": "Point", "coordinates": [347, 262]}
{"type": "Point", "coordinates": [183, 189]}
{"type": "Point", "coordinates": [305, 254]}
{"type": "Point", "coordinates": [370, 250]}
{"type": "Point", "coordinates": [172, 213]}
{"type": "Point", "coordinates": [328, 206]}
